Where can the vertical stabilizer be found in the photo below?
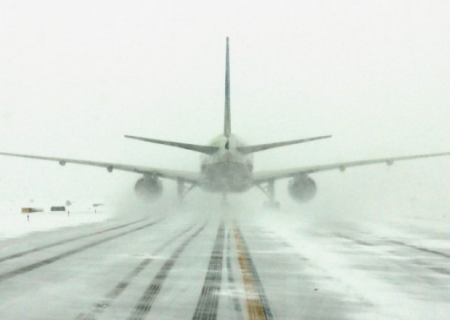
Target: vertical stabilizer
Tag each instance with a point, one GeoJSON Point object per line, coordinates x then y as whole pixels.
{"type": "Point", "coordinates": [227, 126]}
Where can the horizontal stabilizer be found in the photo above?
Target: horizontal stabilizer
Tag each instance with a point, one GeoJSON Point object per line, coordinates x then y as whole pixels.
{"type": "Point", "coordinates": [187, 146]}
{"type": "Point", "coordinates": [262, 147]}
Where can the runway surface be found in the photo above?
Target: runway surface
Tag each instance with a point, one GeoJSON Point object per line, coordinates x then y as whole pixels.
{"type": "Point", "coordinates": [224, 265]}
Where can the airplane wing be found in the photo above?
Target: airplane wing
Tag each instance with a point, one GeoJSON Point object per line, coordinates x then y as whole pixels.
{"type": "Point", "coordinates": [264, 176]}
{"type": "Point", "coordinates": [192, 177]}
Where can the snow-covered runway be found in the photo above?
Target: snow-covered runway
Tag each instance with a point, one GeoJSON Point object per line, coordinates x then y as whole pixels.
{"type": "Point", "coordinates": [228, 265]}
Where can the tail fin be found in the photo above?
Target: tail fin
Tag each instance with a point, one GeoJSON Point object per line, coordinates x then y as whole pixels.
{"type": "Point", "coordinates": [227, 124]}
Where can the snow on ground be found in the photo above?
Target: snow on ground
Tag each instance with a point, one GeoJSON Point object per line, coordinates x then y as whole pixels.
{"type": "Point", "coordinates": [362, 256]}
{"type": "Point", "coordinates": [364, 266]}
{"type": "Point", "coordinates": [15, 224]}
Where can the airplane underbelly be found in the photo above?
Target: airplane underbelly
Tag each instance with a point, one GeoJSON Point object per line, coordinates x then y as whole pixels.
{"type": "Point", "coordinates": [226, 177]}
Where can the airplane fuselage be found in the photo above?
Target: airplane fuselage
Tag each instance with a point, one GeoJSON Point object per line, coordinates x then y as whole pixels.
{"type": "Point", "coordinates": [227, 170]}
{"type": "Point", "coordinates": [226, 165]}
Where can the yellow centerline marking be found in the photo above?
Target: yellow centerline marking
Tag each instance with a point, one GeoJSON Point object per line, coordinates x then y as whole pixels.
{"type": "Point", "coordinates": [255, 307]}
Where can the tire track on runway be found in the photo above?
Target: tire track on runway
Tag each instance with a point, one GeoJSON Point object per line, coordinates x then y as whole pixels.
{"type": "Point", "coordinates": [439, 270]}
{"type": "Point", "coordinates": [146, 301]}
{"type": "Point", "coordinates": [123, 284]}
{"type": "Point", "coordinates": [208, 302]}
{"type": "Point", "coordinates": [406, 245]}
{"type": "Point", "coordinates": [358, 241]}
{"type": "Point", "coordinates": [431, 251]}
{"type": "Point", "coordinates": [54, 244]}
{"type": "Point", "coordinates": [257, 303]}
{"type": "Point", "coordinates": [45, 262]}
{"type": "Point", "coordinates": [397, 242]}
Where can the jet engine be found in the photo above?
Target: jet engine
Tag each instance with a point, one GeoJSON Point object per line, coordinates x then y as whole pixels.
{"type": "Point", "coordinates": [302, 188]}
{"type": "Point", "coordinates": [148, 188]}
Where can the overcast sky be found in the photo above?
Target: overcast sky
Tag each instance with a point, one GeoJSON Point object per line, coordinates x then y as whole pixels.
{"type": "Point", "coordinates": [75, 76]}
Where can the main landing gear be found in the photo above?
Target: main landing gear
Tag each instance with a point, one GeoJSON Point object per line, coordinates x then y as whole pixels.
{"type": "Point", "coordinates": [269, 191]}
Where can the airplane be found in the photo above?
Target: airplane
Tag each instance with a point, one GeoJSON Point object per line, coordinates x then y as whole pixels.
{"type": "Point", "coordinates": [227, 165]}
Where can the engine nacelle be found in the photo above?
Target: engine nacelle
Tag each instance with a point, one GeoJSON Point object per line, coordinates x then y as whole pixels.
{"type": "Point", "coordinates": [148, 188]}
{"type": "Point", "coordinates": [302, 188]}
